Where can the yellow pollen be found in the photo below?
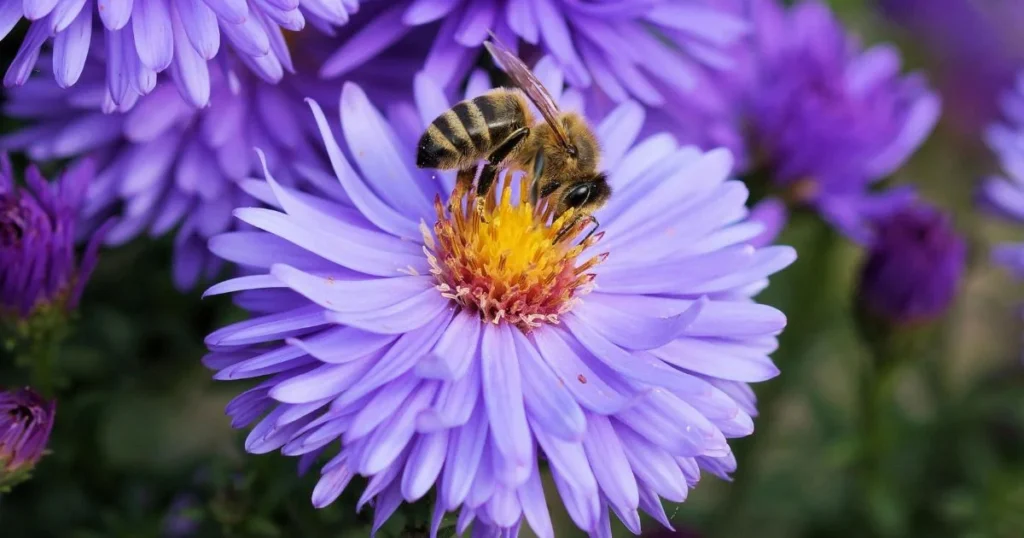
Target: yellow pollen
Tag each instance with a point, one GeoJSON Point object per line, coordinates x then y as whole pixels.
{"type": "Point", "coordinates": [505, 260]}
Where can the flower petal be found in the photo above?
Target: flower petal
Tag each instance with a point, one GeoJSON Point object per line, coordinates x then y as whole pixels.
{"type": "Point", "coordinates": [503, 394]}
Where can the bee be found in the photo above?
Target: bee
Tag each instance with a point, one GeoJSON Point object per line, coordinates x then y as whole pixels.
{"type": "Point", "coordinates": [561, 152]}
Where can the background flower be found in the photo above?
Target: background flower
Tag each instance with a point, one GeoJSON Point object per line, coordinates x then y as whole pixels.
{"type": "Point", "coordinates": [646, 375]}
{"type": "Point", "coordinates": [138, 40]}
{"type": "Point", "coordinates": [914, 266]}
{"type": "Point", "coordinates": [25, 423]}
{"type": "Point", "coordinates": [38, 266]}
{"type": "Point", "coordinates": [975, 49]}
{"type": "Point", "coordinates": [1004, 194]}
{"type": "Point", "coordinates": [166, 163]}
{"type": "Point", "coordinates": [646, 50]}
{"type": "Point", "coordinates": [822, 119]}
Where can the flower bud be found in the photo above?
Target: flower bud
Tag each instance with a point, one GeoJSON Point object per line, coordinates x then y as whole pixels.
{"type": "Point", "coordinates": [25, 423]}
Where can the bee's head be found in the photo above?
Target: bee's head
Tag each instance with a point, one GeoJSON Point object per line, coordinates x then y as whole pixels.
{"type": "Point", "coordinates": [585, 195]}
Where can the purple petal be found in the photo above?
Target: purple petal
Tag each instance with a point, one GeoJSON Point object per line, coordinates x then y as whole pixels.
{"type": "Point", "coordinates": [635, 332]}
{"type": "Point", "coordinates": [388, 167]}
{"type": "Point", "coordinates": [154, 38]}
{"type": "Point", "coordinates": [24, 62]}
{"type": "Point", "coordinates": [388, 441]}
{"type": "Point", "coordinates": [503, 394]}
{"type": "Point", "coordinates": [466, 447]}
{"type": "Point", "coordinates": [398, 360]}
{"type": "Point", "coordinates": [114, 13]}
{"type": "Point", "coordinates": [325, 381]}
{"type": "Point", "coordinates": [65, 13]}
{"type": "Point", "coordinates": [381, 406]}
{"type": "Point", "coordinates": [550, 405]}
{"type": "Point", "coordinates": [71, 47]}
{"type": "Point", "coordinates": [37, 9]}
{"type": "Point", "coordinates": [267, 328]}
{"type": "Point", "coordinates": [477, 19]}
{"type": "Point", "coordinates": [454, 352]}
{"type": "Point", "coordinates": [613, 474]}
{"type": "Point", "coordinates": [590, 391]}
{"type": "Point", "coordinates": [531, 498]}
{"type": "Point", "coordinates": [190, 71]}
{"type": "Point", "coordinates": [352, 295]}
{"type": "Point", "coordinates": [336, 248]}
{"type": "Point", "coordinates": [424, 465]}
{"type": "Point", "coordinates": [424, 11]}
{"type": "Point", "coordinates": [380, 33]}
{"type": "Point", "coordinates": [230, 11]}
{"type": "Point", "coordinates": [332, 484]}
{"type": "Point", "coordinates": [200, 23]}
{"type": "Point", "coordinates": [10, 14]}
{"type": "Point", "coordinates": [454, 403]}
{"type": "Point", "coordinates": [371, 206]}
{"type": "Point", "coordinates": [342, 344]}
{"type": "Point", "coordinates": [249, 37]}
{"type": "Point", "coordinates": [652, 465]}
{"type": "Point", "coordinates": [718, 359]}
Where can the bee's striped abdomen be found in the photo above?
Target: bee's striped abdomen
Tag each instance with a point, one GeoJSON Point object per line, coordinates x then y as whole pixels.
{"type": "Point", "coordinates": [468, 132]}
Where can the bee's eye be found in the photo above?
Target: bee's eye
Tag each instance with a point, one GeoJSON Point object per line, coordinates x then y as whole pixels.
{"type": "Point", "coordinates": [572, 150]}
{"type": "Point", "coordinates": [578, 195]}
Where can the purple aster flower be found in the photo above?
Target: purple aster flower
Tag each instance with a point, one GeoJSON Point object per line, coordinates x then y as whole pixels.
{"type": "Point", "coordinates": [914, 266]}
{"type": "Point", "coordinates": [165, 163]}
{"type": "Point", "coordinates": [824, 119]}
{"type": "Point", "coordinates": [25, 423]}
{"type": "Point", "coordinates": [38, 222]}
{"type": "Point", "coordinates": [1004, 194]}
{"type": "Point", "coordinates": [453, 343]}
{"type": "Point", "coordinates": [647, 50]}
{"type": "Point", "coordinates": [975, 48]}
{"type": "Point", "coordinates": [140, 38]}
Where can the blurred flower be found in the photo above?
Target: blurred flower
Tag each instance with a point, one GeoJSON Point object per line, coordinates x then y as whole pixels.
{"type": "Point", "coordinates": [461, 354]}
{"type": "Point", "coordinates": [38, 268]}
{"type": "Point", "coordinates": [824, 119]}
{"type": "Point", "coordinates": [914, 266]}
{"type": "Point", "coordinates": [142, 38]}
{"type": "Point", "coordinates": [182, 518]}
{"type": "Point", "coordinates": [974, 47]}
{"type": "Point", "coordinates": [165, 163]}
{"type": "Point", "coordinates": [1004, 194]}
{"type": "Point", "coordinates": [772, 214]}
{"type": "Point", "coordinates": [646, 50]}
{"type": "Point", "coordinates": [25, 423]}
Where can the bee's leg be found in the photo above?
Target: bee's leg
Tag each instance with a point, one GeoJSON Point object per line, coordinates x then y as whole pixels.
{"type": "Point", "coordinates": [500, 153]}
{"type": "Point", "coordinates": [572, 225]}
{"type": "Point", "coordinates": [538, 170]}
{"type": "Point", "coordinates": [464, 178]}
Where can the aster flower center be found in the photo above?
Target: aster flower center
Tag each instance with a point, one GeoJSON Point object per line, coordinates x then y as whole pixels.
{"type": "Point", "coordinates": [509, 261]}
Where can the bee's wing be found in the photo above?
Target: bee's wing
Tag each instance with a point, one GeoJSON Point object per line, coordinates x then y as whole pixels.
{"type": "Point", "coordinates": [526, 81]}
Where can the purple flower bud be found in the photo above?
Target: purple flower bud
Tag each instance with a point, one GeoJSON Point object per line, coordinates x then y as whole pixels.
{"type": "Point", "coordinates": [37, 240]}
{"type": "Point", "coordinates": [914, 266]}
{"type": "Point", "coordinates": [25, 423]}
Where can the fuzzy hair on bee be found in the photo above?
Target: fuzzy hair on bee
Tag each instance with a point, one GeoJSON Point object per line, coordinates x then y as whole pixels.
{"type": "Point", "coordinates": [560, 151]}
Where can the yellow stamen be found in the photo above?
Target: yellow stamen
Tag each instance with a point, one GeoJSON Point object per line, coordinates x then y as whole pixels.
{"type": "Point", "coordinates": [505, 260]}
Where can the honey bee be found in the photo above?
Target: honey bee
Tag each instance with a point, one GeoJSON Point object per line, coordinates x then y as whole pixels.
{"type": "Point", "coordinates": [561, 153]}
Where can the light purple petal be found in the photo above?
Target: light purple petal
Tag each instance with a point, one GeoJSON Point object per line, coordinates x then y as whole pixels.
{"type": "Point", "coordinates": [154, 38]}
{"type": "Point", "coordinates": [503, 394]}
